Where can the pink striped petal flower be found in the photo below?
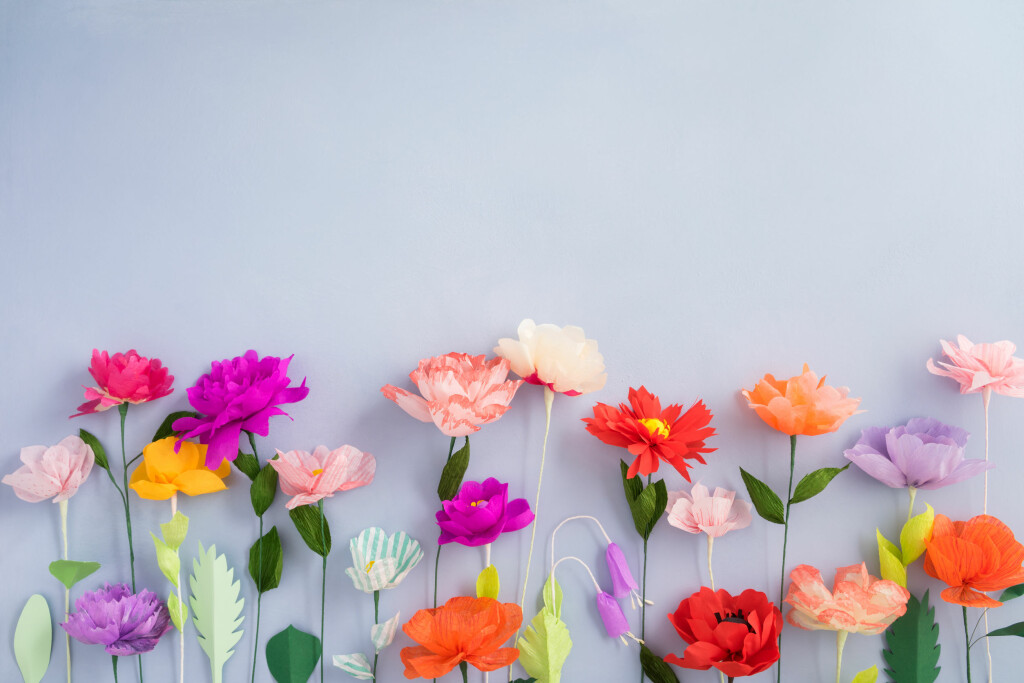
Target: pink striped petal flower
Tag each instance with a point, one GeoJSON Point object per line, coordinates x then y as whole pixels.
{"type": "Point", "coordinates": [714, 514]}
{"type": "Point", "coordinates": [309, 477]}
{"type": "Point", "coordinates": [51, 472]}
{"type": "Point", "coordinates": [981, 366]}
{"type": "Point", "coordinates": [857, 603]}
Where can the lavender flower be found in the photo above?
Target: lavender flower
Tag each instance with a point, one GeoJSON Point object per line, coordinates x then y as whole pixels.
{"type": "Point", "coordinates": [480, 512]}
{"type": "Point", "coordinates": [125, 624]}
{"type": "Point", "coordinates": [611, 614]}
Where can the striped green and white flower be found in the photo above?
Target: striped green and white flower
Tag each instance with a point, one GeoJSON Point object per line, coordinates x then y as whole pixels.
{"type": "Point", "coordinates": [356, 665]}
{"type": "Point", "coordinates": [383, 635]}
{"type": "Point", "coordinates": [380, 561]}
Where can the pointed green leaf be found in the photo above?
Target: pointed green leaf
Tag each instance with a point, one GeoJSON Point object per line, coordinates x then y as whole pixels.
{"type": "Point", "coordinates": [552, 596]}
{"type": "Point", "coordinates": [766, 502]}
{"type": "Point", "coordinates": [866, 676]}
{"type": "Point", "coordinates": [266, 561]}
{"type": "Point", "coordinates": [165, 430]}
{"type": "Point", "coordinates": [890, 560]}
{"type": "Point", "coordinates": [292, 655]}
{"type": "Point", "coordinates": [647, 506]}
{"type": "Point", "coordinates": [815, 482]}
{"type": "Point", "coordinates": [263, 489]}
{"type": "Point", "coordinates": [912, 644]}
{"type": "Point", "coordinates": [915, 535]}
{"type": "Point", "coordinates": [167, 560]}
{"type": "Point", "coordinates": [453, 472]}
{"type": "Point", "coordinates": [97, 448]}
{"type": "Point", "coordinates": [33, 639]}
{"type": "Point", "coordinates": [313, 528]}
{"type": "Point", "coordinates": [655, 667]}
{"type": "Point", "coordinates": [632, 486]}
{"type": "Point", "coordinates": [1012, 592]}
{"type": "Point", "coordinates": [525, 680]}
{"type": "Point", "coordinates": [356, 665]}
{"type": "Point", "coordinates": [216, 608]}
{"type": "Point", "coordinates": [177, 610]}
{"type": "Point", "coordinates": [247, 464]}
{"type": "Point", "coordinates": [174, 531]}
{"type": "Point", "coordinates": [487, 583]}
{"type": "Point", "coordinates": [544, 647]}
{"type": "Point", "coordinates": [1011, 630]}
{"type": "Point", "coordinates": [70, 572]}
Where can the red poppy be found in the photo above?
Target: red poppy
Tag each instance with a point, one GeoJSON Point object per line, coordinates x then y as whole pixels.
{"type": "Point", "coordinates": [739, 635]}
{"type": "Point", "coordinates": [653, 434]}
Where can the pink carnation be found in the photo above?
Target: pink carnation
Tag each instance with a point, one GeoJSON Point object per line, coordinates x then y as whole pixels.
{"type": "Point", "coordinates": [981, 366]}
{"type": "Point", "coordinates": [124, 378]}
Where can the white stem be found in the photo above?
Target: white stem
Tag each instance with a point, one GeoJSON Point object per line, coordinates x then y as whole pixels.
{"type": "Point", "coordinates": [585, 566]}
{"type": "Point", "coordinates": [569, 519]}
{"type": "Point", "coordinates": [549, 397]}
{"type": "Point", "coordinates": [711, 574]}
{"type": "Point", "coordinates": [986, 396]}
{"type": "Point", "coordinates": [487, 556]}
{"type": "Point", "coordinates": [67, 591]}
{"type": "Point", "coordinates": [181, 616]}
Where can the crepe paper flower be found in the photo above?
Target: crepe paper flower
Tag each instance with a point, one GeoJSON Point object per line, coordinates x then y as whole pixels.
{"type": "Point", "coordinates": [170, 465]}
{"type": "Point", "coordinates": [459, 392]}
{"type": "Point", "coordinates": [801, 405]}
{"type": "Point", "coordinates": [715, 514]}
{"type": "Point", "coordinates": [481, 512]}
{"type": "Point", "coordinates": [51, 471]}
{"type": "Point", "coordinates": [652, 434]}
{"type": "Point", "coordinates": [124, 623]}
{"type": "Point", "coordinates": [559, 358]}
{"type": "Point", "coordinates": [977, 367]}
{"type": "Point", "coordinates": [972, 558]}
{"type": "Point", "coordinates": [614, 620]}
{"type": "Point", "coordinates": [380, 561]}
{"type": "Point", "coordinates": [240, 394]}
{"type": "Point", "coordinates": [894, 560]}
{"type": "Point", "coordinates": [623, 583]}
{"type": "Point", "coordinates": [310, 477]}
{"type": "Point", "coordinates": [463, 631]}
{"type": "Point", "coordinates": [124, 378]}
{"type": "Point", "coordinates": [738, 635]}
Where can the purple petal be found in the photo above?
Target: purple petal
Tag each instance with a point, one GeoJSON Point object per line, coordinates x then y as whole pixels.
{"type": "Point", "coordinates": [622, 578]}
{"type": "Point", "coordinates": [874, 439]}
{"type": "Point", "coordinates": [928, 462]}
{"type": "Point", "coordinates": [877, 466]}
{"type": "Point", "coordinates": [611, 614]}
{"type": "Point", "coordinates": [936, 430]}
{"type": "Point", "coordinates": [965, 470]}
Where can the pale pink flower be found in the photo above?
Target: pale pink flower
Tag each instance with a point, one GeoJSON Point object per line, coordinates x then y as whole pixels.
{"type": "Point", "coordinates": [715, 515]}
{"type": "Point", "coordinates": [559, 358]}
{"type": "Point", "coordinates": [52, 472]}
{"type": "Point", "coordinates": [981, 366]}
{"type": "Point", "coordinates": [124, 378]}
{"type": "Point", "coordinates": [309, 477]}
{"type": "Point", "coordinates": [858, 602]}
{"type": "Point", "coordinates": [459, 392]}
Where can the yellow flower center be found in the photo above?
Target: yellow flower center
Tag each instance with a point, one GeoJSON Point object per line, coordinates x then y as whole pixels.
{"type": "Point", "coordinates": [655, 426]}
{"type": "Point", "coordinates": [321, 471]}
{"type": "Point", "coordinates": [370, 566]}
{"type": "Point", "coordinates": [478, 502]}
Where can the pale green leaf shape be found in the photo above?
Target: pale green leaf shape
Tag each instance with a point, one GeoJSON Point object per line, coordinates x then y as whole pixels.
{"type": "Point", "coordinates": [383, 635]}
{"type": "Point", "coordinates": [380, 561]}
{"type": "Point", "coordinates": [167, 559]}
{"type": "Point", "coordinates": [916, 534]}
{"type": "Point", "coordinates": [175, 530]}
{"type": "Point", "coordinates": [355, 665]}
{"type": "Point", "coordinates": [216, 608]}
{"type": "Point", "coordinates": [487, 583]}
{"type": "Point", "coordinates": [866, 676]}
{"type": "Point", "coordinates": [889, 557]}
{"type": "Point", "coordinates": [179, 612]}
{"type": "Point", "coordinates": [70, 572]}
{"type": "Point", "coordinates": [544, 647]}
{"type": "Point", "coordinates": [552, 598]}
{"type": "Point", "coordinates": [33, 638]}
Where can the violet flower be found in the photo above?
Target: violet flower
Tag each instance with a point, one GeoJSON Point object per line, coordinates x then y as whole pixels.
{"type": "Point", "coordinates": [124, 623]}
{"type": "Point", "coordinates": [623, 583]}
{"type": "Point", "coordinates": [611, 614]}
{"type": "Point", "coordinates": [480, 512]}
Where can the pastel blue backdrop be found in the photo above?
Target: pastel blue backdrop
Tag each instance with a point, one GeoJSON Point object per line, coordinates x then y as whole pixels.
{"type": "Point", "coordinates": [713, 190]}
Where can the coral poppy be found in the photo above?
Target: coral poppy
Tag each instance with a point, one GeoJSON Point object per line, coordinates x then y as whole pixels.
{"type": "Point", "coordinates": [124, 378]}
{"type": "Point", "coordinates": [981, 366]}
{"type": "Point", "coordinates": [972, 557]}
{"type": "Point", "coordinates": [738, 635]}
{"type": "Point", "coordinates": [802, 404]}
{"type": "Point", "coordinates": [714, 514]}
{"type": "Point", "coordinates": [464, 629]}
{"type": "Point", "coordinates": [559, 358]}
{"type": "Point", "coordinates": [168, 468]}
{"type": "Point", "coordinates": [459, 392]}
{"type": "Point", "coordinates": [857, 603]}
{"type": "Point", "coordinates": [652, 434]}
{"type": "Point", "coordinates": [310, 477]}
{"type": "Point", "coordinates": [51, 471]}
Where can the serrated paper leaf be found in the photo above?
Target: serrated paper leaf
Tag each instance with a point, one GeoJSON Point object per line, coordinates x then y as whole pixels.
{"type": "Point", "coordinates": [552, 599]}
{"type": "Point", "coordinates": [33, 639]}
{"type": "Point", "coordinates": [168, 560]}
{"type": "Point", "coordinates": [915, 535]}
{"type": "Point", "coordinates": [247, 464]}
{"type": "Point", "coordinates": [382, 635]}
{"type": "Point", "coordinates": [765, 501]}
{"type": "Point", "coordinates": [177, 610]}
{"type": "Point", "coordinates": [487, 583]}
{"type": "Point", "coordinates": [216, 608]}
{"type": "Point", "coordinates": [97, 448]}
{"type": "Point", "coordinates": [866, 676]}
{"type": "Point", "coordinates": [355, 665]}
{"type": "Point", "coordinates": [815, 482]}
{"type": "Point", "coordinates": [544, 647]}
{"type": "Point", "coordinates": [1012, 592]}
{"type": "Point", "coordinates": [165, 430]}
{"type": "Point", "coordinates": [70, 572]}
{"type": "Point", "coordinates": [890, 560]}
{"type": "Point", "coordinates": [655, 668]}
{"type": "Point", "coordinates": [452, 474]}
{"type": "Point", "coordinates": [174, 531]}
{"type": "Point", "coordinates": [912, 644]}
{"type": "Point", "coordinates": [1011, 630]}
{"type": "Point", "coordinates": [267, 561]}
{"type": "Point", "coordinates": [292, 655]}
{"type": "Point", "coordinates": [308, 520]}
{"type": "Point", "coordinates": [263, 489]}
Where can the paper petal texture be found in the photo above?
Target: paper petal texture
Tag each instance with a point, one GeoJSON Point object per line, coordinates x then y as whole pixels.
{"type": "Point", "coordinates": [380, 561]}
{"type": "Point", "coordinates": [383, 635]}
{"type": "Point", "coordinates": [51, 471]}
{"type": "Point", "coordinates": [310, 477]}
{"type": "Point", "coordinates": [699, 510]}
{"type": "Point", "coordinates": [560, 358]}
{"type": "Point", "coordinates": [170, 466]}
{"type": "Point", "coordinates": [216, 608]}
{"type": "Point", "coordinates": [857, 603]}
{"type": "Point", "coordinates": [480, 513]}
{"type": "Point", "coordinates": [972, 558]}
{"type": "Point", "coordinates": [802, 404]}
{"type": "Point", "coordinates": [33, 639]}
{"type": "Point", "coordinates": [356, 665]}
{"type": "Point", "coordinates": [124, 378]}
{"type": "Point", "coordinates": [981, 366]}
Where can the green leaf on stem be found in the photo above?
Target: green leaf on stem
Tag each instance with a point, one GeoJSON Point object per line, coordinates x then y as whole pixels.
{"type": "Point", "coordinates": [177, 610]}
{"type": "Point", "coordinates": [292, 655]}
{"type": "Point", "coordinates": [307, 519]}
{"type": "Point", "coordinates": [263, 489]}
{"type": "Point", "coordinates": [646, 504]}
{"type": "Point", "coordinates": [866, 676]}
{"type": "Point", "coordinates": [655, 667]}
{"type": "Point", "coordinates": [165, 429]}
{"type": "Point", "coordinates": [97, 448]}
{"type": "Point", "coordinates": [488, 583]}
{"type": "Point", "coordinates": [1012, 592]}
{"type": "Point", "coordinates": [544, 647]}
{"type": "Point", "coordinates": [766, 502]}
{"type": "Point", "coordinates": [912, 644]}
{"type": "Point", "coordinates": [815, 482]}
{"type": "Point", "coordinates": [552, 596]}
{"type": "Point", "coordinates": [70, 572]}
{"type": "Point", "coordinates": [167, 559]}
{"type": "Point", "coordinates": [1011, 630]}
{"type": "Point", "coordinates": [452, 474]}
{"type": "Point", "coordinates": [247, 464]}
{"type": "Point", "coordinates": [174, 531]}
{"type": "Point", "coordinates": [266, 572]}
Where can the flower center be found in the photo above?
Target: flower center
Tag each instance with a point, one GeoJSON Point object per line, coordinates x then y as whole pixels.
{"type": "Point", "coordinates": [370, 566]}
{"type": "Point", "coordinates": [478, 503]}
{"type": "Point", "coordinates": [655, 426]}
{"type": "Point", "coordinates": [736, 618]}
{"type": "Point", "coordinates": [318, 471]}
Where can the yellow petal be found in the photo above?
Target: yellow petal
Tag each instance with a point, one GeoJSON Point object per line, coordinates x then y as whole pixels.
{"type": "Point", "coordinates": [151, 491]}
{"type": "Point", "coordinates": [487, 584]}
{"type": "Point", "coordinates": [225, 465]}
{"type": "Point", "coordinates": [163, 464]}
{"type": "Point", "coordinates": [890, 559]}
{"type": "Point", "coordinates": [916, 534]}
{"type": "Point", "coordinates": [866, 676]}
{"type": "Point", "coordinates": [139, 474]}
{"type": "Point", "coordinates": [198, 482]}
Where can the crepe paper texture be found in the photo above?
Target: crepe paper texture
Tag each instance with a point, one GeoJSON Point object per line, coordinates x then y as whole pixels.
{"type": "Point", "coordinates": [311, 524]}
{"type": "Point", "coordinates": [977, 367]}
{"type": "Point", "coordinates": [973, 557]}
{"type": "Point", "coordinates": [714, 514]}
{"type": "Point", "coordinates": [216, 608]}
{"type": "Point", "coordinates": [623, 583]}
{"type": "Point", "coordinates": [914, 539]}
{"type": "Point", "coordinates": [169, 561]}
{"type": "Point", "coordinates": [453, 472]}
{"type": "Point", "coordinates": [655, 668]}
{"type": "Point", "coordinates": [170, 466]}
{"type": "Point", "coordinates": [480, 512]}
{"type": "Point", "coordinates": [124, 378]}
{"type": "Point", "coordinates": [488, 584]}
{"type": "Point", "coordinates": [70, 572]}
{"type": "Point", "coordinates": [866, 676]}
{"type": "Point", "coordinates": [124, 623]}
{"type": "Point", "coordinates": [801, 405]}
{"type": "Point", "coordinates": [379, 561]}
{"type": "Point", "coordinates": [458, 392]}
{"type": "Point", "coordinates": [311, 477]}
{"type": "Point", "coordinates": [559, 358]}
{"type": "Point", "coordinates": [33, 639]}
{"type": "Point", "coordinates": [51, 471]}
{"type": "Point", "coordinates": [615, 624]}
{"type": "Point", "coordinates": [356, 665]}
{"type": "Point", "coordinates": [653, 435]}
{"type": "Point", "coordinates": [292, 655]}
{"type": "Point", "coordinates": [266, 561]}
{"type": "Point", "coordinates": [912, 645]}
{"type": "Point", "coordinates": [857, 603]}
{"type": "Point", "coordinates": [545, 644]}
{"type": "Point", "coordinates": [239, 394]}
{"type": "Point", "coordinates": [382, 635]}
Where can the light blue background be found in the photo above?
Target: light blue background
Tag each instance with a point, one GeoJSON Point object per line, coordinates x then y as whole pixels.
{"type": "Point", "coordinates": [713, 190]}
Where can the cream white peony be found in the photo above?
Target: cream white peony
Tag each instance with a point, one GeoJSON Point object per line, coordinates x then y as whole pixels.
{"type": "Point", "coordinates": [560, 358]}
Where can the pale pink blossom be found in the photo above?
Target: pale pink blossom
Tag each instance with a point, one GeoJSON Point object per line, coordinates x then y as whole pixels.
{"type": "Point", "coordinates": [52, 471]}
{"type": "Point", "coordinates": [459, 392]}
{"type": "Point", "coordinates": [857, 603]}
{"type": "Point", "coordinates": [981, 366]}
{"type": "Point", "coordinates": [714, 514]}
{"type": "Point", "coordinates": [309, 477]}
{"type": "Point", "coordinates": [559, 358]}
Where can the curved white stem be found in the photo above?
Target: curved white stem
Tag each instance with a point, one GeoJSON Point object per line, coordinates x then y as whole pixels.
{"type": "Point", "coordinates": [549, 397]}
{"type": "Point", "coordinates": [67, 591]}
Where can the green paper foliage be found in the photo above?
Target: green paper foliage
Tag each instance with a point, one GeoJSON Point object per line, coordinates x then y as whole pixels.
{"type": "Point", "coordinates": [912, 644]}
{"type": "Point", "coordinates": [452, 474]}
{"type": "Point", "coordinates": [914, 538]}
{"type": "Point", "coordinates": [765, 501]}
{"type": "Point", "coordinates": [488, 583]}
{"type": "Point", "coordinates": [165, 430]}
{"type": "Point", "coordinates": [70, 572]}
{"type": "Point", "coordinates": [307, 519]}
{"type": "Point", "coordinates": [646, 504]}
{"type": "Point", "coordinates": [263, 489]}
{"type": "Point", "coordinates": [545, 644]}
{"type": "Point", "coordinates": [216, 608]}
{"type": "Point", "coordinates": [1012, 592]}
{"type": "Point", "coordinates": [265, 569]}
{"type": "Point", "coordinates": [247, 464]}
{"type": "Point", "coordinates": [169, 561]}
{"type": "Point", "coordinates": [1011, 630]}
{"type": "Point", "coordinates": [177, 610]}
{"type": "Point", "coordinates": [97, 448]}
{"type": "Point", "coordinates": [33, 639]}
{"type": "Point", "coordinates": [655, 668]}
{"type": "Point", "coordinates": [174, 531]}
{"type": "Point", "coordinates": [292, 655]}
{"type": "Point", "coordinates": [815, 482]}
{"type": "Point", "coordinates": [866, 676]}
{"type": "Point", "coordinates": [552, 599]}
{"type": "Point", "coordinates": [525, 680]}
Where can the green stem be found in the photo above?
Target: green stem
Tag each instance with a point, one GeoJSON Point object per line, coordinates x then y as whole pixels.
{"type": "Point", "coordinates": [113, 659]}
{"type": "Point", "coordinates": [259, 571]}
{"type": "Point", "coordinates": [323, 585]}
{"type": "Point", "coordinates": [465, 672]}
{"type": "Point", "coordinates": [643, 595]}
{"type": "Point", "coordinates": [376, 620]}
{"type": "Point", "coordinates": [122, 409]}
{"type": "Point", "coordinates": [967, 638]}
{"type": "Point", "coordinates": [437, 557]}
{"type": "Point", "coordinates": [913, 494]}
{"type": "Point", "coordinates": [785, 541]}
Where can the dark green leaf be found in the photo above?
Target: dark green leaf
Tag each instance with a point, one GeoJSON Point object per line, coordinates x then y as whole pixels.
{"type": "Point", "coordinates": [655, 667]}
{"type": "Point", "coordinates": [1012, 592]}
{"type": "Point", "coordinates": [69, 572]}
{"type": "Point", "coordinates": [631, 485]}
{"type": "Point", "coordinates": [266, 561]}
{"type": "Point", "coordinates": [292, 655]}
{"type": "Point", "coordinates": [97, 448]}
{"type": "Point", "coordinates": [912, 641]}
{"type": "Point", "coordinates": [165, 430]}
{"type": "Point", "coordinates": [767, 504]}
{"type": "Point", "coordinates": [454, 471]}
{"type": "Point", "coordinates": [248, 464]}
{"type": "Point", "coordinates": [648, 507]}
{"type": "Point", "coordinates": [308, 520]}
{"type": "Point", "coordinates": [525, 680]}
{"type": "Point", "coordinates": [815, 482]}
{"type": "Point", "coordinates": [1011, 630]}
{"type": "Point", "coordinates": [263, 489]}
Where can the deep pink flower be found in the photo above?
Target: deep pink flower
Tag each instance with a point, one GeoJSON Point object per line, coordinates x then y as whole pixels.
{"type": "Point", "coordinates": [124, 378]}
{"type": "Point", "coordinates": [309, 477]}
{"type": "Point", "coordinates": [52, 472]}
{"type": "Point", "coordinates": [981, 366]}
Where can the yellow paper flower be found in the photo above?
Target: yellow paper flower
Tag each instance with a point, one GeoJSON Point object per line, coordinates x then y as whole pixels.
{"type": "Point", "coordinates": [164, 472]}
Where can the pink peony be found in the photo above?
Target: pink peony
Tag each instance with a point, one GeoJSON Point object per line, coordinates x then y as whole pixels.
{"type": "Point", "coordinates": [459, 392]}
{"type": "Point", "coordinates": [715, 515]}
{"type": "Point", "coordinates": [52, 472]}
{"type": "Point", "coordinates": [981, 366]}
{"type": "Point", "coordinates": [858, 602]}
{"type": "Point", "coordinates": [124, 378]}
{"type": "Point", "coordinates": [309, 477]}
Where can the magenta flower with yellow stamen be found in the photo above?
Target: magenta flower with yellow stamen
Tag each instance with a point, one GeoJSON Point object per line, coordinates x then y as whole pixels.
{"type": "Point", "coordinates": [310, 477]}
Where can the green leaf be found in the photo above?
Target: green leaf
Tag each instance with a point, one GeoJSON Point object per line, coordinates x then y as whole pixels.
{"type": "Point", "coordinates": [552, 598]}
{"type": "Point", "coordinates": [488, 583]}
{"type": "Point", "coordinates": [890, 560]}
{"type": "Point", "coordinates": [70, 572]}
{"type": "Point", "coordinates": [292, 655]}
{"type": "Point", "coordinates": [1011, 630]}
{"type": "Point", "coordinates": [263, 489]}
{"type": "Point", "coordinates": [97, 448]}
{"type": "Point", "coordinates": [167, 560]}
{"type": "Point", "coordinates": [525, 680]}
{"type": "Point", "coordinates": [646, 504]}
{"type": "Point", "coordinates": [915, 535]}
{"type": "Point", "coordinates": [767, 504]}
{"type": "Point", "coordinates": [174, 531]}
{"type": "Point", "coordinates": [453, 472]}
{"type": "Point", "coordinates": [866, 676]}
{"type": "Point", "coordinates": [33, 639]}
{"type": "Point", "coordinates": [216, 608]}
{"type": "Point", "coordinates": [655, 667]}
{"type": "Point", "coordinates": [265, 569]}
{"type": "Point", "coordinates": [544, 647]}
{"type": "Point", "coordinates": [1012, 592]}
{"type": "Point", "coordinates": [633, 486]}
{"type": "Point", "coordinates": [815, 482]}
{"type": "Point", "coordinates": [307, 519]}
{"type": "Point", "coordinates": [247, 464]}
{"type": "Point", "coordinates": [912, 644]}
{"type": "Point", "coordinates": [165, 430]}
{"type": "Point", "coordinates": [177, 610]}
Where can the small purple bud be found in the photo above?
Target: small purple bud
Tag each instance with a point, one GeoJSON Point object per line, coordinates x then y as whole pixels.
{"type": "Point", "coordinates": [611, 614]}
{"type": "Point", "coordinates": [622, 579]}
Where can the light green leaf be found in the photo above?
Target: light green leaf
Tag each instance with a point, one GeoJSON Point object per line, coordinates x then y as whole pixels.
{"type": "Point", "coordinates": [168, 560]}
{"type": "Point", "coordinates": [452, 474]}
{"type": "Point", "coordinates": [866, 676]}
{"type": "Point", "coordinates": [292, 655]}
{"type": "Point", "coordinates": [354, 665]}
{"type": "Point", "coordinates": [178, 611]}
{"type": "Point", "coordinates": [765, 501]}
{"type": "Point", "coordinates": [655, 668]}
{"type": "Point", "coordinates": [97, 448]}
{"type": "Point", "coordinates": [33, 638]}
{"type": "Point", "coordinates": [915, 535]}
{"type": "Point", "coordinates": [70, 572]}
{"type": "Point", "coordinates": [544, 647]}
{"type": "Point", "coordinates": [890, 560]}
{"type": "Point", "coordinates": [382, 635]}
{"type": "Point", "coordinates": [815, 482]}
{"type": "Point", "coordinates": [216, 608]}
{"type": "Point", "coordinates": [266, 561]}
{"type": "Point", "coordinates": [313, 528]}
{"type": "Point", "coordinates": [174, 531]}
{"type": "Point", "coordinates": [488, 583]}
{"type": "Point", "coordinates": [552, 597]}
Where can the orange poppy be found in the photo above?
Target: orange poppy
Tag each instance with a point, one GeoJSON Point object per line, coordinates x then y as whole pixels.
{"type": "Point", "coordinates": [464, 629]}
{"type": "Point", "coordinates": [978, 555]}
{"type": "Point", "coordinates": [802, 404]}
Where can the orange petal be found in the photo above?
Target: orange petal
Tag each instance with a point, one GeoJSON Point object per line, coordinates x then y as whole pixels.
{"type": "Point", "coordinates": [163, 464]}
{"type": "Point", "coordinates": [953, 561]}
{"type": "Point", "coordinates": [198, 482]}
{"type": "Point", "coordinates": [420, 662]}
{"type": "Point", "coordinates": [968, 597]}
{"type": "Point", "coordinates": [151, 491]}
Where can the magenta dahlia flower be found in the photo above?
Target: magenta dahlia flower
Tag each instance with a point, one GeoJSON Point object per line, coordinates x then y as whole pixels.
{"type": "Point", "coordinates": [122, 622]}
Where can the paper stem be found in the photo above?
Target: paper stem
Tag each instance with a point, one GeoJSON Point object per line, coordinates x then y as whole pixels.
{"type": "Point", "coordinates": [259, 572]}
{"type": "Point", "coordinates": [549, 397]}
{"type": "Point", "coordinates": [376, 620]}
{"type": "Point", "coordinates": [840, 644]}
{"type": "Point", "coordinates": [113, 659]}
{"type": "Point", "coordinates": [986, 396]}
{"type": "Point", "coordinates": [465, 672]}
{"type": "Point", "coordinates": [67, 591]}
{"type": "Point", "coordinates": [711, 573]}
{"type": "Point", "coordinates": [323, 585]}
{"type": "Point", "coordinates": [437, 557]}
{"type": "Point", "coordinates": [785, 540]}
{"type": "Point", "coordinates": [643, 597]}
{"type": "Point", "coordinates": [181, 607]}
{"type": "Point", "coordinates": [487, 556]}
{"type": "Point", "coordinates": [967, 640]}
{"type": "Point", "coordinates": [913, 494]}
{"type": "Point", "coordinates": [122, 409]}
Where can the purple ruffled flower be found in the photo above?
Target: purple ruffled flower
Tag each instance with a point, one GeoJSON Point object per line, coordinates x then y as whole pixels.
{"type": "Point", "coordinates": [238, 394]}
{"type": "Point", "coordinates": [925, 454]}
{"type": "Point", "coordinates": [125, 624]}
{"type": "Point", "coordinates": [480, 512]}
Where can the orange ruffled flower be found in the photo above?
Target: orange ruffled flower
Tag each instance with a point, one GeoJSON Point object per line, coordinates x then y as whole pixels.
{"type": "Point", "coordinates": [978, 555]}
{"type": "Point", "coordinates": [164, 472]}
{"type": "Point", "coordinates": [802, 404]}
{"type": "Point", "coordinates": [463, 629]}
